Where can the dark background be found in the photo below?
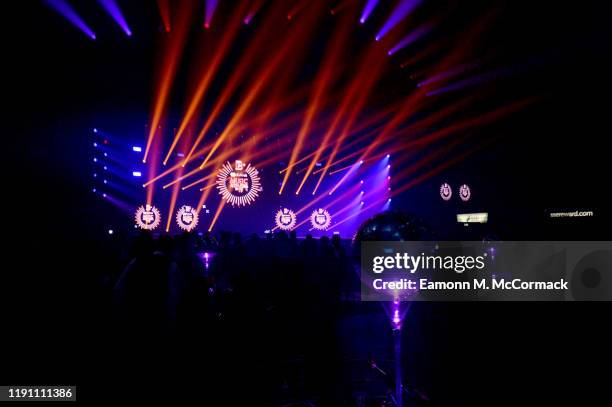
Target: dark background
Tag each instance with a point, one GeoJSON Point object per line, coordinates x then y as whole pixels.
{"type": "Point", "coordinates": [554, 155]}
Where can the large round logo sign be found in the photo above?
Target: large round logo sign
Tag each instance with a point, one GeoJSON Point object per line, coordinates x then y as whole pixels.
{"type": "Point", "coordinates": [147, 217]}
{"type": "Point", "coordinates": [285, 219]}
{"type": "Point", "coordinates": [320, 219]}
{"type": "Point", "coordinates": [187, 218]}
{"type": "Point", "coordinates": [237, 184]}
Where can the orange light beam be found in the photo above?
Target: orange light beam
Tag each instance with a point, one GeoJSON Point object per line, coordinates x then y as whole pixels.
{"type": "Point", "coordinates": [326, 74]}
{"type": "Point", "coordinates": [254, 91]}
{"type": "Point", "coordinates": [214, 220]}
{"type": "Point", "coordinates": [207, 187]}
{"type": "Point", "coordinates": [263, 163]}
{"type": "Point", "coordinates": [342, 169]}
{"type": "Point", "coordinates": [164, 12]}
{"type": "Point", "coordinates": [151, 169]}
{"type": "Point", "coordinates": [173, 198]}
{"type": "Point", "coordinates": [172, 169]}
{"type": "Point", "coordinates": [304, 129]}
{"type": "Point", "coordinates": [316, 100]}
{"type": "Point", "coordinates": [415, 127]}
{"type": "Point", "coordinates": [297, 7]}
{"type": "Point", "coordinates": [244, 65]}
{"type": "Point", "coordinates": [172, 58]}
{"type": "Point", "coordinates": [341, 160]}
{"type": "Point", "coordinates": [355, 141]}
{"type": "Point", "coordinates": [339, 7]}
{"type": "Point", "coordinates": [203, 179]}
{"type": "Point", "coordinates": [363, 92]}
{"type": "Point", "coordinates": [345, 147]}
{"type": "Point", "coordinates": [202, 87]}
{"type": "Point", "coordinates": [276, 128]}
{"type": "Point", "coordinates": [190, 173]}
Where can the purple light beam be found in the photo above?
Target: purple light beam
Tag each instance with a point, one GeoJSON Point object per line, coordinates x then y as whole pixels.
{"type": "Point", "coordinates": [211, 6]}
{"type": "Point", "coordinates": [367, 10]}
{"type": "Point", "coordinates": [472, 81]}
{"type": "Point", "coordinates": [458, 70]}
{"type": "Point", "coordinates": [410, 38]}
{"type": "Point", "coordinates": [66, 10]}
{"type": "Point", "coordinates": [399, 12]}
{"type": "Point", "coordinates": [112, 9]}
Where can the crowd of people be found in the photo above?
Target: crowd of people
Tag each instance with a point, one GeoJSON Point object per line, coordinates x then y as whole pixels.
{"type": "Point", "coordinates": [165, 278]}
{"type": "Point", "coordinates": [271, 303]}
{"type": "Point", "coordinates": [277, 315]}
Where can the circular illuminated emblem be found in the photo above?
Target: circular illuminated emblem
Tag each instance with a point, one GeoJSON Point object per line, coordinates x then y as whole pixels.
{"type": "Point", "coordinates": [285, 219]}
{"type": "Point", "coordinates": [239, 186]}
{"type": "Point", "coordinates": [446, 192]}
{"type": "Point", "coordinates": [147, 217]}
{"type": "Point", "coordinates": [320, 219]}
{"type": "Point", "coordinates": [464, 193]}
{"type": "Point", "coordinates": [187, 218]}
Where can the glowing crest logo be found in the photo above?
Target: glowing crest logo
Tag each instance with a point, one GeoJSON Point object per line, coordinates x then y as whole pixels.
{"type": "Point", "coordinates": [147, 217]}
{"type": "Point", "coordinates": [464, 193]}
{"type": "Point", "coordinates": [446, 192]}
{"type": "Point", "coordinates": [285, 219]}
{"type": "Point", "coordinates": [187, 218]}
{"type": "Point", "coordinates": [320, 219]}
{"type": "Point", "coordinates": [238, 185]}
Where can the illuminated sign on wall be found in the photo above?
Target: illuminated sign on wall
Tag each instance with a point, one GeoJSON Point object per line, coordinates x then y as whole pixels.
{"type": "Point", "coordinates": [147, 217]}
{"type": "Point", "coordinates": [187, 218]}
{"type": "Point", "coordinates": [464, 193]}
{"type": "Point", "coordinates": [473, 217]}
{"type": "Point", "coordinates": [237, 185]}
{"type": "Point", "coordinates": [446, 191]}
{"type": "Point", "coordinates": [571, 214]}
{"type": "Point", "coordinates": [285, 219]}
{"type": "Point", "coordinates": [320, 219]}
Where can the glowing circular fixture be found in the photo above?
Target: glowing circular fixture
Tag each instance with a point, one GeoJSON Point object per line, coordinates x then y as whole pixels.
{"type": "Point", "coordinates": [320, 219]}
{"type": "Point", "coordinates": [285, 219]}
{"type": "Point", "coordinates": [147, 217]}
{"type": "Point", "coordinates": [465, 193]}
{"type": "Point", "coordinates": [237, 185]}
{"type": "Point", "coordinates": [187, 218]}
{"type": "Point", "coordinates": [446, 192]}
